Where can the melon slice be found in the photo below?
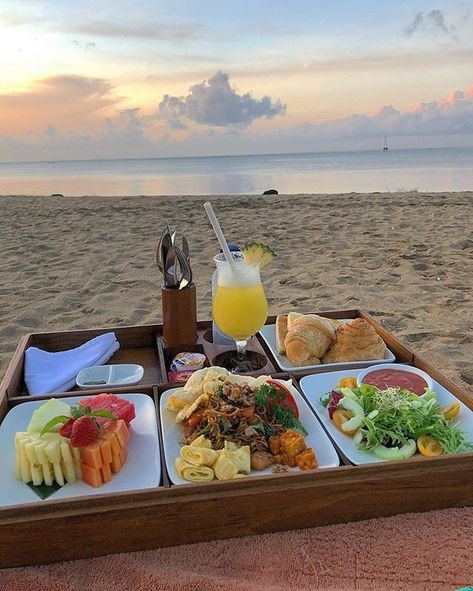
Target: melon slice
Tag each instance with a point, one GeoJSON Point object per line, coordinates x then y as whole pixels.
{"type": "Point", "coordinates": [106, 455]}
{"type": "Point", "coordinates": [47, 411]}
{"type": "Point", "coordinates": [121, 408]}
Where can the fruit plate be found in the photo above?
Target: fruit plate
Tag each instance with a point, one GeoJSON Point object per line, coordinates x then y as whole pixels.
{"type": "Point", "coordinates": [316, 385]}
{"type": "Point", "coordinates": [141, 470]}
{"type": "Point", "coordinates": [268, 333]}
{"type": "Point", "coordinates": [316, 439]}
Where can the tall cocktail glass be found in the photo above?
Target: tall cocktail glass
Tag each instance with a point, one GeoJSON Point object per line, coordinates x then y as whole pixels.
{"type": "Point", "coordinates": [239, 305]}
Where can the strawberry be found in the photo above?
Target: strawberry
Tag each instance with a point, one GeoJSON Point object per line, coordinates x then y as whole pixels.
{"type": "Point", "coordinates": [84, 431]}
{"type": "Point", "coordinates": [66, 429]}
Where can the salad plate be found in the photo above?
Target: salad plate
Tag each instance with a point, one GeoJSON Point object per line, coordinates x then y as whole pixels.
{"type": "Point", "coordinates": [317, 439]}
{"type": "Point", "coordinates": [317, 385]}
{"type": "Point", "coordinates": [141, 470]}
{"type": "Point", "coordinates": [268, 334]}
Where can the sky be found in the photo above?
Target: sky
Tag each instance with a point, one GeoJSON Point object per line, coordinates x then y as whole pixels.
{"type": "Point", "coordinates": [153, 78]}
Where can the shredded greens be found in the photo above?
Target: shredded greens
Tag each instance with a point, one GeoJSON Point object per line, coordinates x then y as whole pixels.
{"type": "Point", "coordinates": [394, 417]}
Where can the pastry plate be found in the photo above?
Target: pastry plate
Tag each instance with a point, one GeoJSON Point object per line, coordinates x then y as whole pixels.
{"type": "Point", "coordinates": [316, 385]}
{"type": "Point", "coordinates": [141, 470]}
{"type": "Point", "coordinates": [316, 439]}
{"type": "Point", "coordinates": [268, 333]}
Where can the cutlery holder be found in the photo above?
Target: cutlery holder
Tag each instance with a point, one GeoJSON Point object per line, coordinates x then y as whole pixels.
{"type": "Point", "coordinates": [179, 315]}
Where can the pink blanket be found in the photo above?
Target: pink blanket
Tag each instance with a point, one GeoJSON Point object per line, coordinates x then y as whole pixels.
{"type": "Point", "coordinates": [413, 552]}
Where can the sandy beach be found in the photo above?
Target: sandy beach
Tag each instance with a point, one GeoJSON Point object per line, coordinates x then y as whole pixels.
{"type": "Point", "coordinates": [407, 258]}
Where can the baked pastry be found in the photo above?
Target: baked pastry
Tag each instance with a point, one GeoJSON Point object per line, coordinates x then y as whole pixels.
{"type": "Point", "coordinates": [281, 332]}
{"type": "Point", "coordinates": [355, 341]}
{"type": "Point", "coordinates": [308, 339]}
{"type": "Point", "coordinates": [291, 317]}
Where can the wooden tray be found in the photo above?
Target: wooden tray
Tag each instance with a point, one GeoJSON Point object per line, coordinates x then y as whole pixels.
{"type": "Point", "coordinates": [212, 351]}
{"type": "Point", "coordinates": [40, 533]}
{"type": "Point", "coordinates": [138, 344]}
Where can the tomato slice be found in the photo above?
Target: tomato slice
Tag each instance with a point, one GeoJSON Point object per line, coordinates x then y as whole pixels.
{"type": "Point", "coordinates": [450, 411]}
{"type": "Point", "coordinates": [288, 398]}
{"type": "Point", "coordinates": [348, 382]}
{"type": "Point", "coordinates": [428, 446]}
{"type": "Point", "coordinates": [340, 417]}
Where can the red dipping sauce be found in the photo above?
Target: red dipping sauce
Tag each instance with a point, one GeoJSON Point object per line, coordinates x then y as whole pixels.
{"type": "Point", "coordinates": [396, 378]}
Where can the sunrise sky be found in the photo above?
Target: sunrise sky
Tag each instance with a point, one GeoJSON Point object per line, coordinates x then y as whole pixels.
{"type": "Point", "coordinates": [171, 78]}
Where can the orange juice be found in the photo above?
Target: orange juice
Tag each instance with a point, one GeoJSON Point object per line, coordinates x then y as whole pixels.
{"type": "Point", "coordinates": [240, 310]}
{"type": "Point", "coordinates": [239, 306]}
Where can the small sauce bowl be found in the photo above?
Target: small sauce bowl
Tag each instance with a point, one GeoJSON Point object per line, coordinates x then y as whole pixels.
{"type": "Point", "coordinates": [388, 375]}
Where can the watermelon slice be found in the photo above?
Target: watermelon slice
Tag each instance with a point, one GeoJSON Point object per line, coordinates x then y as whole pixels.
{"type": "Point", "coordinates": [121, 408]}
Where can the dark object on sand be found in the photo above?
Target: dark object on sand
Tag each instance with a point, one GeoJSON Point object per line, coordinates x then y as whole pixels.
{"type": "Point", "coordinates": [271, 192]}
{"type": "Point", "coordinates": [57, 195]}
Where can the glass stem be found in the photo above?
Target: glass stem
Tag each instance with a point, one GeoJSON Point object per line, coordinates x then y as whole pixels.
{"type": "Point", "coordinates": [241, 349]}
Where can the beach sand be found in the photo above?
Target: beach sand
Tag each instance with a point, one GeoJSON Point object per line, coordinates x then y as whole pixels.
{"type": "Point", "coordinates": [407, 258]}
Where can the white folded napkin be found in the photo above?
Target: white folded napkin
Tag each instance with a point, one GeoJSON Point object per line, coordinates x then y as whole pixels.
{"type": "Point", "coordinates": [56, 372]}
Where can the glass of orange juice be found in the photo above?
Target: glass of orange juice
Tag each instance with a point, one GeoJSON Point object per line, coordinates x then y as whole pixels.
{"type": "Point", "coordinates": [239, 305]}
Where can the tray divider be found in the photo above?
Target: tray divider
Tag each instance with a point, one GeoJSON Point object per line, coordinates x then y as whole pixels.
{"type": "Point", "coordinates": [344, 461]}
{"type": "Point", "coordinates": [164, 473]}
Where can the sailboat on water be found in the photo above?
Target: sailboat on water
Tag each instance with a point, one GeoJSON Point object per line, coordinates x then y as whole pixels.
{"type": "Point", "coordinates": [385, 147]}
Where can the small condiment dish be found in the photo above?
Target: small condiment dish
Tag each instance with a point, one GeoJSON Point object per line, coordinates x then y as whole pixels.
{"type": "Point", "coordinates": [397, 367]}
{"type": "Point", "coordinates": [107, 376]}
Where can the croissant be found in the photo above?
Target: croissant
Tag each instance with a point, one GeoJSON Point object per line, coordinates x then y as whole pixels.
{"type": "Point", "coordinates": [308, 339]}
{"type": "Point", "coordinates": [355, 341]}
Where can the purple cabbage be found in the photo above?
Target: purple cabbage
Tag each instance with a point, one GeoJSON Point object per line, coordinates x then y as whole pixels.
{"type": "Point", "coordinates": [335, 398]}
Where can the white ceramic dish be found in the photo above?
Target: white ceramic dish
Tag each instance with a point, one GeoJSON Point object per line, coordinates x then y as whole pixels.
{"type": "Point", "coordinates": [109, 376]}
{"type": "Point", "coordinates": [141, 470]}
{"type": "Point", "coordinates": [398, 367]}
{"type": "Point", "coordinates": [316, 439]}
{"type": "Point", "coordinates": [317, 385]}
{"type": "Point", "coordinates": [268, 333]}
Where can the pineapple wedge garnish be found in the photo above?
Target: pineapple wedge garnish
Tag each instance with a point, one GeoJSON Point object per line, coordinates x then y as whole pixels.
{"type": "Point", "coordinates": [256, 252]}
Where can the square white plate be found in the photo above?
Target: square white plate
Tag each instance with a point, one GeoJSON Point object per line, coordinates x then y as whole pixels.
{"type": "Point", "coordinates": [141, 470]}
{"type": "Point", "coordinates": [268, 332]}
{"type": "Point", "coordinates": [316, 439]}
{"type": "Point", "coordinates": [317, 385]}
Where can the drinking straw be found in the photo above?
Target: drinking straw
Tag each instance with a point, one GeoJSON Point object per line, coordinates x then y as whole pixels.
{"type": "Point", "coordinates": [218, 232]}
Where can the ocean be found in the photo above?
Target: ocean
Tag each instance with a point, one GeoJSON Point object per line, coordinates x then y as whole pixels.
{"type": "Point", "coordinates": [432, 169]}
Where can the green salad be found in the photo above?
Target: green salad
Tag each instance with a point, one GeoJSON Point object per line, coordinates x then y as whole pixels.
{"type": "Point", "coordinates": [395, 423]}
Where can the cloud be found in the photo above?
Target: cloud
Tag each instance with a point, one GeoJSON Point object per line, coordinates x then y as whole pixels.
{"type": "Point", "coordinates": [65, 100]}
{"type": "Point", "coordinates": [144, 30]}
{"type": "Point", "coordinates": [215, 103]}
{"type": "Point", "coordinates": [431, 22]}
{"type": "Point", "coordinates": [128, 133]}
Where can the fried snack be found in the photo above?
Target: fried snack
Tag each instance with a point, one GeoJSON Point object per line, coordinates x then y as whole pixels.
{"type": "Point", "coordinates": [205, 381]}
{"type": "Point", "coordinates": [281, 332]}
{"type": "Point", "coordinates": [309, 339]}
{"type": "Point", "coordinates": [355, 341]}
{"type": "Point", "coordinates": [307, 460]}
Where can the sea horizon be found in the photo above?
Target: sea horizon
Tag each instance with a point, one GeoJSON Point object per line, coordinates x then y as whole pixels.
{"type": "Point", "coordinates": [335, 171]}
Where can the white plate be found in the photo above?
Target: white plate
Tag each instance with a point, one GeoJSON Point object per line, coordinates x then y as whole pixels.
{"type": "Point", "coordinates": [268, 332]}
{"type": "Point", "coordinates": [120, 374]}
{"type": "Point", "coordinates": [317, 439]}
{"type": "Point", "coordinates": [141, 470]}
{"type": "Point", "coordinates": [317, 385]}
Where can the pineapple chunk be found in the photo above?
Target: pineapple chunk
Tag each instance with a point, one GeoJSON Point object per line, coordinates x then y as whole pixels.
{"type": "Point", "coordinates": [255, 252]}
{"type": "Point", "coordinates": [45, 458]}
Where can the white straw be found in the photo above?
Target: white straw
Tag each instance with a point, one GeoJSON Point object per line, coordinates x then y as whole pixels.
{"type": "Point", "coordinates": [218, 232]}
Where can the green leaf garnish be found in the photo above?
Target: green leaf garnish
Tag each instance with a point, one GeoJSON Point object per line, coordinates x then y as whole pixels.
{"type": "Point", "coordinates": [102, 413]}
{"type": "Point", "coordinates": [53, 422]}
